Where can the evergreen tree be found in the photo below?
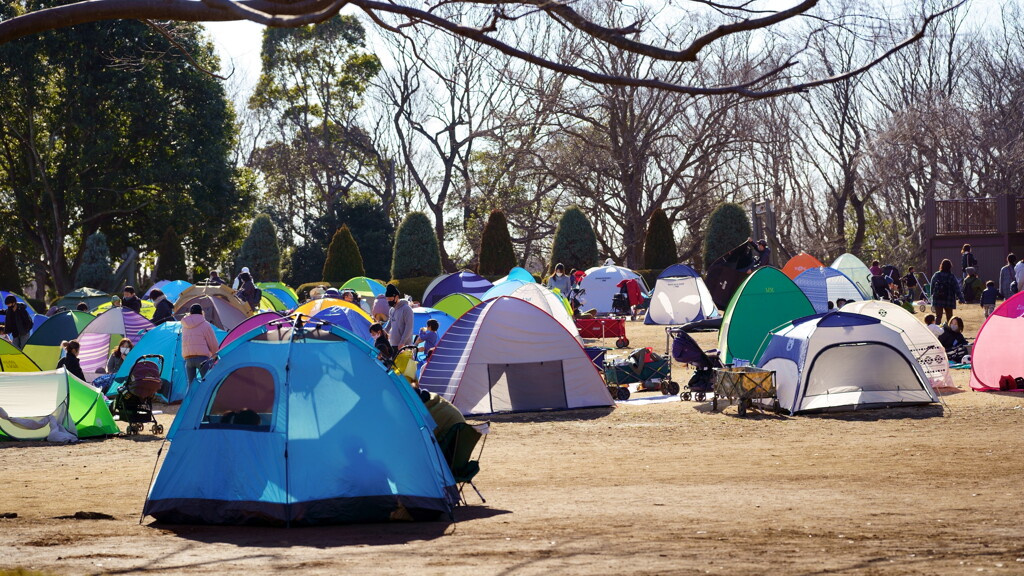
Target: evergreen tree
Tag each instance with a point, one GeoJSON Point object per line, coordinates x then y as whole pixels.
{"type": "Point", "coordinates": [344, 261]}
{"type": "Point", "coordinates": [10, 278]}
{"type": "Point", "coordinates": [95, 270]}
{"type": "Point", "coordinates": [659, 245]}
{"type": "Point", "coordinates": [496, 254]}
{"type": "Point", "coordinates": [728, 227]}
{"type": "Point", "coordinates": [170, 261]}
{"type": "Point", "coordinates": [259, 251]}
{"type": "Point", "coordinates": [575, 243]}
{"type": "Point", "coordinates": [370, 226]}
{"type": "Point", "coordinates": [416, 252]}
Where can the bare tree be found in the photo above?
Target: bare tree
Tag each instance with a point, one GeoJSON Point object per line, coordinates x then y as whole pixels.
{"type": "Point", "coordinates": [490, 19]}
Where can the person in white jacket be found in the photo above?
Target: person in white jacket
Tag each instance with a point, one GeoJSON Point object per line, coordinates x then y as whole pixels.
{"type": "Point", "coordinates": [237, 284]}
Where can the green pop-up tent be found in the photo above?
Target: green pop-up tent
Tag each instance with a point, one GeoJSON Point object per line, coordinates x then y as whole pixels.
{"type": "Point", "coordinates": [31, 398]}
{"type": "Point", "coordinates": [764, 301]}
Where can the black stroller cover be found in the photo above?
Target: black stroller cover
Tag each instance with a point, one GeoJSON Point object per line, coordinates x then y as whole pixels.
{"type": "Point", "coordinates": [726, 274]}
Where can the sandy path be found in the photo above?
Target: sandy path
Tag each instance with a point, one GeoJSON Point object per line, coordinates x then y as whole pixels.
{"type": "Point", "coordinates": [656, 489]}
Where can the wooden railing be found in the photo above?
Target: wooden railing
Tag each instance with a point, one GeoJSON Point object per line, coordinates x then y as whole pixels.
{"type": "Point", "coordinates": [975, 216]}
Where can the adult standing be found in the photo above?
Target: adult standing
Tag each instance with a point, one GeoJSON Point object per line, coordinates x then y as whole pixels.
{"type": "Point", "coordinates": [945, 291]}
{"type": "Point", "coordinates": [1006, 278]}
{"type": "Point", "coordinates": [400, 318]}
{"type": "Point", "coordinates": [967, 260]}
{"type": "Point", "coordinates": [237, 284]}
{"type": "Point", "coordinates": [164, 309]}
{"type": "Point", "coordinates": [559, 280]}
{"type": "Point", "coordinates": [198, 342]}
{"type": "Point", "coordinates": [17, 322]}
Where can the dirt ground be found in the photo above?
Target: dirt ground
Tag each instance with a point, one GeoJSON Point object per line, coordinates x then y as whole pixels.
{"type": "Point", "coordinates": [667, 488]}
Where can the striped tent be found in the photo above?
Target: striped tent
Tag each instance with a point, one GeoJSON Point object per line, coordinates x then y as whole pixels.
{"type": "Point", "coordinates": [103, 334]}
{"type": "Point", "coordinates": [43, 347]}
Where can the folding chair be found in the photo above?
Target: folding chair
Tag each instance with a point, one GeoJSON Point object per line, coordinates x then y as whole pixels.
{"type": "Point", "coordinates": [457, 446]}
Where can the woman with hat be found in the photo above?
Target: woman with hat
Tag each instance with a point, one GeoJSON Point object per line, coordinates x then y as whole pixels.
{"type": "Point", "coordinates": [198, 342]}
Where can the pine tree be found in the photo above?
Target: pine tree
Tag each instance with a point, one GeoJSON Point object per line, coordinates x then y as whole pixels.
{"type": "Point", "coordinates": [10, 278]}
{"type": "Point", "coordinates": [659, 245]}
{"type": "Point", "coordinates": [728, 227]}
{"type": "Point", "coordinates": [575, 243]}
{"type": "Point", "coordinates": [497, 256]}
{"type": "Point", "coordinates": [260, 252]}
{"type": "Point", "coordinates": [95, 270]}
{"type": "Point", "coordinates": [416, 252]}
{"type": "Point", "coordinates": [170, 261]}
{"type": "Point", "coordinates": [344, 261]}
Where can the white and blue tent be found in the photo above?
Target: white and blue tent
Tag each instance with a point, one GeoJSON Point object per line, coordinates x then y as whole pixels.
{"type": "Point", "coordinates": [507, 355]}
{"type": "Point", "coordinates": [680, 296]}
{"type": "Point", "coordinates": [822, 285]}
{"type": "Point", "coordinates": [842, 361]}
{"type": "Point", "coordinates": [505, 288]}
{"type": "Point", "coordinates": [165, 341]}
{"type": "Point", "coordinates": [301, 426]}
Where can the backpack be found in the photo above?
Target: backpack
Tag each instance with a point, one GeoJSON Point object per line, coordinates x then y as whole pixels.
{"type": "Point", "coordinates": [940, 290]}
{"type": "Point", "coordinates": [1007, 383]}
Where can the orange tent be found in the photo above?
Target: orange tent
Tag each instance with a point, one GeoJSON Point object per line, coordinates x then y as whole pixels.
{"type": "Point", "coordinates": [799, 263]}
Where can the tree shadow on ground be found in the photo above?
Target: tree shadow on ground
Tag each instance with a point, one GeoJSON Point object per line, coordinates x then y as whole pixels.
{"type": "Point", "coordinates": [324, 537]}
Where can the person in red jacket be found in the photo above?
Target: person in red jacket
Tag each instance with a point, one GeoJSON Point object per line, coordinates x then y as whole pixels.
{"type": "Point", "coordinates": [198, 342]}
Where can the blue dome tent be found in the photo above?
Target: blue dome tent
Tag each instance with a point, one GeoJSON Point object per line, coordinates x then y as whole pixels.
{"type": "Point", "coordinates": [301, 426]}
{"type": "Point", "coordinates": [164, 340]}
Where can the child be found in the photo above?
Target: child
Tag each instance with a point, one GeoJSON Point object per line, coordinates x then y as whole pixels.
{"type": "Point", "coordinates": [386, 352]}
{"type": "Point", "coordinates": [988, 298]}
{"type": "Point", "coordinates": [929, 321]}
{"type": "Point", "coordinates": [972, 286]}
{"type": "Point", "coordinates": [428, 336]}
{"type": "Point", "coordinates": [70, 360]}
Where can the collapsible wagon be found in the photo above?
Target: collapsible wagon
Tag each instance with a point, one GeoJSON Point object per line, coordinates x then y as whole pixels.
{"type": "Point", "coordinates": [643, 366]}
{"type": "Point", "coordinates": [744, 385]}
{"type": "Point", "coordinates": [602, 328]}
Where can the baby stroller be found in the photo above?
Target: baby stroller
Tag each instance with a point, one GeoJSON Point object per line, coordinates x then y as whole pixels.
{"type": "Point", "coordinates": [134, 401]}
{"type": "Point", "coordinates": [686, 350]}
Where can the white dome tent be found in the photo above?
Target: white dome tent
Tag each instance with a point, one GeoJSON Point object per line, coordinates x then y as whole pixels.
{"type": "Point", "coordinates": [842, 361]}
{"type": "Point", "coordinates": [680, 296]}
{"type": "Point", "coordinates": [601, 285]}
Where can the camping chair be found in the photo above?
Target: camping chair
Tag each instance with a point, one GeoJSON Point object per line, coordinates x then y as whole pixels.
{"type": "Point", "coordinates": [457, 446]}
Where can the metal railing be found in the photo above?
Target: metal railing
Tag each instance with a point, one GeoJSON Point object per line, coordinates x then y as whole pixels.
{"type": "Point", "coordinates": [974, 216]}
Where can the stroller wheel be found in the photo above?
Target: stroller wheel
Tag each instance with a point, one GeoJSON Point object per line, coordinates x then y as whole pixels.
{"type": "Point", "coordinates": [687, 396]}
{"type": "Point", "coordinates": [157, 428]}
{"type": "Point", "coordinates": [622, 393]}
{"type": "Point", "coordinates": [701, 397]}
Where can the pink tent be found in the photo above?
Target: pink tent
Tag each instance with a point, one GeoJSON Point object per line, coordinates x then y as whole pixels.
{"type": "Point", "coordinates": [997, 349]}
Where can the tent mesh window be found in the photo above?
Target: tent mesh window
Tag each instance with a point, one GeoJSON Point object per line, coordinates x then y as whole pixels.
{"type": "Point", "coordinates": [244, 399]}
{"type": "Point", "coordinates": [862, 367]}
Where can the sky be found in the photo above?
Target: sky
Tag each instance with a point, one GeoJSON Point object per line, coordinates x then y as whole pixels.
{"type": "Point", "coordinates": [238, 43]}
